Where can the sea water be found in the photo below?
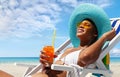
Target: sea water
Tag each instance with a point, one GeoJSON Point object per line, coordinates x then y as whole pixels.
{"type": "Point", "coordinates": [19, 60]}
{"type": "Point", "coordinates": [115, 59]}
{"type": "Point", "coordinates": [36, 60]}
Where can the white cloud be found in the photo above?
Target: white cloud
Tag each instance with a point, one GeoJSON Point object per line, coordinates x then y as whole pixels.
{"type": "Point", "coordinates": [69, 3]}
{"type": "Point", "coordinates": [115, 52]}
{"type": "Point", "coordinates": [74, 3]}
{"type": "Point", "coordinates": [104, 3]}
{"type": "Point", "coordinates": [13, 4]}
{"type": "Point", "coordinates": [24, 18]}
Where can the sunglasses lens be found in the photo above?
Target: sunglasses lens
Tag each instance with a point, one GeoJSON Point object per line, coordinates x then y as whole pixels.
{"type": "Point", "coordinates": [86, 26]}
{"type": "Point", "coordinates": [78, 25]}
{"type": "Point", "coordinates": [83, 25]}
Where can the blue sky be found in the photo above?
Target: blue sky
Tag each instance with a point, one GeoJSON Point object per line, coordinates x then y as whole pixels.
{"type": "Point", "coordinates": [27, 25]}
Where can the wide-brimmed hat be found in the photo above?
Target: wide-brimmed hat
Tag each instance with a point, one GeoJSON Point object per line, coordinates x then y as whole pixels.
{"type": "Point", "coordinates": [92, 12]}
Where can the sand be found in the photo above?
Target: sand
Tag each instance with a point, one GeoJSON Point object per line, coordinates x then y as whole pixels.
{"type": "Point", "coordinates": [18, 71]}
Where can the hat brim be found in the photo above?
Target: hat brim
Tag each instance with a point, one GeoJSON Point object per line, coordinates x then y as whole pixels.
{"type": "Point", "coordinates": [93, 12]}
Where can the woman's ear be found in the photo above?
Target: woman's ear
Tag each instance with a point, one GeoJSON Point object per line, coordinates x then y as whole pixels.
{"type": "Point", "coordinates": [95, 35]}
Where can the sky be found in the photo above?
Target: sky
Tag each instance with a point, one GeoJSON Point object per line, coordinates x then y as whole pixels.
{"type": "Point", "coordinates": [27, 25]}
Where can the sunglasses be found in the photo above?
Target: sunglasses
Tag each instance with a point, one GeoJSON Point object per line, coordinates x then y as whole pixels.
{"type": "Point", "coordinates": [85, 25]}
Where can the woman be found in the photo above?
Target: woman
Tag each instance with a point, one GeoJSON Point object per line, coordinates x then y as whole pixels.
{"type": "Point", "coordinates": [88, 34]}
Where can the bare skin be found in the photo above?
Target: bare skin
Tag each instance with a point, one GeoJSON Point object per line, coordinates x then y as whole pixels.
{"type": "Point", "coordinates": [89, 46]}
{"type": "Point", "coordinates": [4, 74]}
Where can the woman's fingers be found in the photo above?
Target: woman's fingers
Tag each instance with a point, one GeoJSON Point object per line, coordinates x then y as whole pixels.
{"type": "Point", "coordinates": [44, 56]}
{"type": "Point", "coordinates": [45, 62]}
{"type": "Point", "coordinates": [55, 56]}
{"type": "Point", "coordinates": [110, 34]}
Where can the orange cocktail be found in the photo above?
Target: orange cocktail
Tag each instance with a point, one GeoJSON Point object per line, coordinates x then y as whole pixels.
{"type": "Point", "coordinates": [49, 51]}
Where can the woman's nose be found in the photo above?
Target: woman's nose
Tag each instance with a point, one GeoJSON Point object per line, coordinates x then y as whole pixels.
{"type": "Point", "coordinates": [81, 26]}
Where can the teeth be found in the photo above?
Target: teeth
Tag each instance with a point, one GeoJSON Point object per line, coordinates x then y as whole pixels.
{"type": "Point", "coordinates": [80, 30]}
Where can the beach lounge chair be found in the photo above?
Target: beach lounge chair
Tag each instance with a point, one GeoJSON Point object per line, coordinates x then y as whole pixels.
{"type": "Point", "coordinates": [101, 69]}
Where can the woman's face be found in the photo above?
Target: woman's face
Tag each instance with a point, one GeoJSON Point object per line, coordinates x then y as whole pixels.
{"type": "Point", "coordinates": [85, 29]}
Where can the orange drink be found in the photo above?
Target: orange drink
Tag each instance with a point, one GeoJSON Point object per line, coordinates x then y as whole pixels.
{"type": "Point", "coordinates": [49, 51]}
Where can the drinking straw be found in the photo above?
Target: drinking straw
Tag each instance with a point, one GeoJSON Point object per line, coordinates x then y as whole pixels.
{"type": "Point", "coordinates": [53, 37]}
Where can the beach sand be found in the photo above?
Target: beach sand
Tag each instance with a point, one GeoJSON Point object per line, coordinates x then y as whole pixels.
{"type": "Point", "coordinates": [115, 68]}
{"type": "Point", "coordinates": [18, 71]}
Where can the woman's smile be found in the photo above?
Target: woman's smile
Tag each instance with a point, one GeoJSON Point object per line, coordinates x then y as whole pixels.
{"type": "Point", "coordinates": [80, 30]}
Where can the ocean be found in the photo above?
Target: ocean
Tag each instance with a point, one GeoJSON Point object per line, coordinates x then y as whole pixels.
{"type": "Point", "coordinates": [36, 60]}
{"type": "Point", "coordinates": [115, 59]}
{"type": "Point", "coordinates": [19, 60]}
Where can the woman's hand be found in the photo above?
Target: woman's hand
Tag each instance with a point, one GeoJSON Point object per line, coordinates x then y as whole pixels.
{"type": "Point", "coordinates": [44, 59]}
{"type": "Point", "coordinates": [109, 35]}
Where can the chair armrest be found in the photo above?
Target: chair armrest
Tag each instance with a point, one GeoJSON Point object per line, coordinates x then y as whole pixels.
{"type": "Point", "coordinates": [62, 67]}
{"type": "Point", "coordinates": [32, 68]}
{"type": "Point", "coordinates": [25, 65]}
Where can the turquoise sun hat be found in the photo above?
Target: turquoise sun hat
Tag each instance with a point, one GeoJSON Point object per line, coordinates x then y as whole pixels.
{"type": "Point", "coordinates": [92, 12]}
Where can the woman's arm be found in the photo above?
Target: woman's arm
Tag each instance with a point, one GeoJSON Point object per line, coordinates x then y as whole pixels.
{"type": "Point", "coordinates": [91, 54]}
{"type": "Point", "coordinates": [4, 74]}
